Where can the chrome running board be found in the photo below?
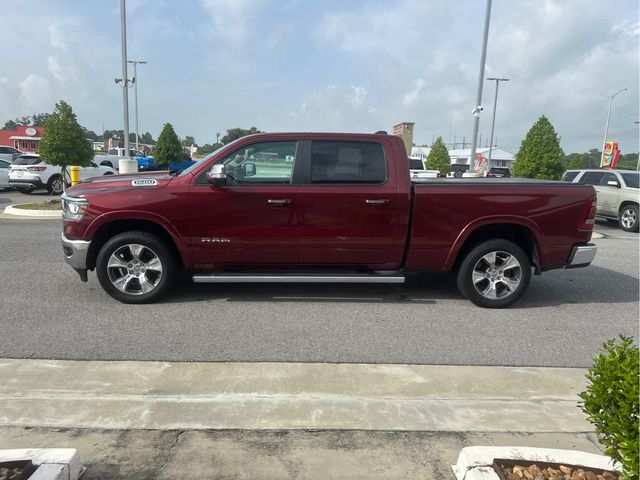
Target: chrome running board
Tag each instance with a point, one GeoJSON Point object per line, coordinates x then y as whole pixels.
{"type": "Point", "coordinates": [298, 278]}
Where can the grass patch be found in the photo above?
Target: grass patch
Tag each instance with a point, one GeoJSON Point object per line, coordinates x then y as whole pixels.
{"type": "Point", "coordinates": [46, 205]}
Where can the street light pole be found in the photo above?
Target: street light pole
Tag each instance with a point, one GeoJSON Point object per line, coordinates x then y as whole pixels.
{"type": "Point", "coordinates": [606, 127]}
{"type": "Point", "coordinates": [495, 104]}
{"type": "Point", "coordinates": [125, 91]}
{"type": "Point", "coordinates": [135, 88]}
{"type": "Point", "coordinates": [476, 110]}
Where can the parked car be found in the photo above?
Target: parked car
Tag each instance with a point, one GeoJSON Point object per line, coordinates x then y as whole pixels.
{"type": "Point", "coordinates": [496, 172]}
{"type": "Point", "coordinates": [618, 194]}
{"type": "Point", "coordinates": [4, 173]}
{"type": "Point", "coordinates": [115, 154]}
{"type": "Point", "coordinates": [344, 211]}
{"type": "Point", "coordinates": [9, 153]}
{"type": "Point", "coordinates": [457, 170]}
{"type": "Point", "coordinates": [418, 172]}
{"type": "Point", "coordinates": [29, 172]}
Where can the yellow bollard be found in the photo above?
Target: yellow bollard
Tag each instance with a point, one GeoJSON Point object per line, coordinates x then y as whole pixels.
{"type": "Point", "coordinates": [75, 174]}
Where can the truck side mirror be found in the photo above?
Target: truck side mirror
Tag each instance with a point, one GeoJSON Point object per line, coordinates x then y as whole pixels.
{"type": "Point", "coordinates": [217, 175]}
{"type": "Point", "coordinates": [613, 183]}
{"type": "Point", "coordinates": [249, 169]}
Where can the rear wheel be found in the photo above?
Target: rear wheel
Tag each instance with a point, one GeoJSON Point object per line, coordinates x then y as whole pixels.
{"type": "Point", "coordinates": [135, 267]}
{"type": "Point", "coordinates": [495, 274]}
{"type": "Point", "coordinates": [628, 218]}
{"type": "Point", "coordinates": [54, 185]}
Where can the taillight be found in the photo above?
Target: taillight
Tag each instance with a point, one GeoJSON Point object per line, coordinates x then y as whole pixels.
{"type": "Point", "coordinates": [589, 216]}
{"type": "Point", "coordinates": [36, 169]}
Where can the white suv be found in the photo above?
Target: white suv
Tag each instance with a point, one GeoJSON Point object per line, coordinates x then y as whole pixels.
{"type": "Point", "coordinates": [618, 194]}
{"type": "Point", "coordinates": [29, 172]}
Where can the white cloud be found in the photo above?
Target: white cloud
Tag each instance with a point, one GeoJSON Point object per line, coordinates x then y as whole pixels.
{"type": "Point", "coordinates": [36, 92]}
{"type": "Point", "coordinates": [412, 95]}
{"type": "Point", "coordinates": [231, 18]}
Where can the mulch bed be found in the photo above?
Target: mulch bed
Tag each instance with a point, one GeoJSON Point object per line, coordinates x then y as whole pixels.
{"type": "Point", "coordinates": [524, 470]}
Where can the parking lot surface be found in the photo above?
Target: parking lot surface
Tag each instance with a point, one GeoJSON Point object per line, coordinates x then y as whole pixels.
{"type": "Point", "coordinates": [46, 312]}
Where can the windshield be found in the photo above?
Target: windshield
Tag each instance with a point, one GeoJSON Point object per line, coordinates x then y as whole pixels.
{"type": "Point", "coordinates": [631, 179]}
{"type": "Point", "coordinates": [204, 159]}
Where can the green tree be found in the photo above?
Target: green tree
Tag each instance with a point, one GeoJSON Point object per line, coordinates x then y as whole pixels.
{"type": "Point", "coordinates": [168, 149]}
{"type": "Point", "coordinates": [64, 142]}
{"type": "Point", "coordinates": [39, 119]}
{"type": "Point", "coordinates": [236, 133]}
{"type": "Point", "coordinates": [188, 141]}
{"type": "Point", "coordinates": [147, 139]}
{"type": "Point", "coordinates": [10, 125]}
{"type": "Point", "coordinates": [540, 154]}
{"type": "Point", "coordinates": [438, 158]}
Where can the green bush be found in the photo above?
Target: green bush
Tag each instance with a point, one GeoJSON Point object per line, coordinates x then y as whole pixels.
{"type": "Point", "coordinates": [611, 402]}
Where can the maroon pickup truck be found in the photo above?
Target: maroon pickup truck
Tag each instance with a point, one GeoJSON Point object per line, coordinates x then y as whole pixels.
{"type": "Point", "coordinates": [311, 207]}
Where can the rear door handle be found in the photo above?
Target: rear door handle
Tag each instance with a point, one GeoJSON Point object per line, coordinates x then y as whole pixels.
{"type": "Point", "coordinates": [282, 201]}
{"type": "Point", "coordinates": [379, 201]}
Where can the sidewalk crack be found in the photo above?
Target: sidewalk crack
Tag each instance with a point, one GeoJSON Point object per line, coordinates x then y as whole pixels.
{"type": "Point", "coordinates": [169, 453]}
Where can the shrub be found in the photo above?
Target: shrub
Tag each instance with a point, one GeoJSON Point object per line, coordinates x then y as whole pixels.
{"type": "Point", "coordinates": [611, 402]}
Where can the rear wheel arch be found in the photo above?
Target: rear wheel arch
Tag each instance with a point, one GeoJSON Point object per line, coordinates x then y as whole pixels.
{"type": "Point", "coordinates": [113, 228]}
{"type": "Point", "coordinates": [517, 233]}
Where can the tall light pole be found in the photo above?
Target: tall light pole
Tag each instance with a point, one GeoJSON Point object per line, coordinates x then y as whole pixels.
{"type": "Point", "coordinates": [125, 164]}
{"type": "Point", "coordinates": [478, 108]}
{"type": "Point", "coordinates": [495, 104]}
{"type": "Point", "coordinates": [606, 127]}
{"type": "Point", "coordinates": [135, 87]}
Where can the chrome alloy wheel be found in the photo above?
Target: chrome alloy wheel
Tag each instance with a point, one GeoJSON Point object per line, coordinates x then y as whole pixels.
{"type": "Point", "coordinates": [134, 269]}
{"type": "Point", "coordinates": [628, 218]}
{"type": "Point", "coordinates": [56, 186]}
{"type": "Point", "coordinates": [497, 275]}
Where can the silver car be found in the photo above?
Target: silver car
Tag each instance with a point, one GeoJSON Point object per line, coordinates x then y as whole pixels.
{"type": "Point", "coordinates": [618, 194]}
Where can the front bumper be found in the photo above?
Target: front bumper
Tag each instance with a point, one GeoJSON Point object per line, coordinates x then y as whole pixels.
{"type": "Point", "coordinates": [582, 255]}
{"type": "Point", "coordinates": [75, 254]}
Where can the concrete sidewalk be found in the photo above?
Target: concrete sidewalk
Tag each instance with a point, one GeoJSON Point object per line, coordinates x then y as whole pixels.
{"type": "Point", "coordinates": [283, 420]}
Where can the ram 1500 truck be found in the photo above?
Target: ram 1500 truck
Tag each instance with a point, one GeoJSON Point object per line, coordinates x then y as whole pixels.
{"type": "Point", "coordinates": [321, 208]}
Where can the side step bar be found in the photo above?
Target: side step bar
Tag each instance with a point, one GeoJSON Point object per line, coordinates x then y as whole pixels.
{"type": "Point", "coordinates": [297, 278]}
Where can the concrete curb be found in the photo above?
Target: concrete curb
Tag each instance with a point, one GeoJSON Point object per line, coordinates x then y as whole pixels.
{"type": "Point", "coordinates": [474, 463]}
{"type": "Point", "coordinates": [20, 212]}
{"type": "Point", "coordinates": [53, 463]}
{"type": "Point", "coordinates": [281, 396]}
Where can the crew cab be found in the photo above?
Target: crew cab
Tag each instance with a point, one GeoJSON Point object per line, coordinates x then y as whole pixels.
{"type": "Point", "coordinates": [327, 208]}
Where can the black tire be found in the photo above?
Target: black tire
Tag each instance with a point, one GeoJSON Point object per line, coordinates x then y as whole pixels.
{"type": "Point", "coordinates": [628, 218]}
{"type": "Point", "coordinates": [132, 291]}
{"type": "Point", "coordinates": [54, 185]}
{"type": "Point", "coordinates": [108, 173]}
{"type": "Point", "coordinates": [25, 190]}
{"type": "Point", "coordinates": [501, 287]}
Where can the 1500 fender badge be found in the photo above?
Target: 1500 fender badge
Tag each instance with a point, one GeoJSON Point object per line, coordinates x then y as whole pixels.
{"type": "Point", "coordinates": [215, 240]}
{"type": "Point", "coordinates": [145, 182]}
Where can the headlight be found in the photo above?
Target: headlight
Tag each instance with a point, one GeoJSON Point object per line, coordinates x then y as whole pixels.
{"type": "Point", "coordinates": [73, 208]}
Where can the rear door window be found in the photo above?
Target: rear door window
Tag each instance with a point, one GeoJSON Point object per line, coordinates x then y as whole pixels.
{"type": "Point", "coordinates": [416, 164]}
{"type": "Point", "coordinates": [591, 178]}
{"type": "Point", "coordinates": [336, 162]}
{"type": "Point", "coordinates": [569, 176]}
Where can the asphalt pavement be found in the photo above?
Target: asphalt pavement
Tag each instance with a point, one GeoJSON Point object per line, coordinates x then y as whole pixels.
{"type": "Point", "coordinates": [46, 312]}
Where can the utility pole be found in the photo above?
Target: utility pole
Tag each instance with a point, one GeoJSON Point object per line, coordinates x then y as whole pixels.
{"type": "Point", "coordinates": [478, 107]}
{"type": "Point", "coordinates": [495, 104]}
{"type": "Point", "coordinates": [638, 162]}
{"type": "Point", "coordinates": [126, 163]}
{"type": "Point", "coordinates": [606, 127]}
{"type": "Point", "coordinates": [135, 90]}
{"type": "Point", "coordinates": [217, 137]}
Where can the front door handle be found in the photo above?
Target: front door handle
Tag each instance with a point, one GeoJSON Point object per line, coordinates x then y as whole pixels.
{"type": "Point", "coordinates": [281, 201]}
{"type": "Point", "coordinates": [379, 201]}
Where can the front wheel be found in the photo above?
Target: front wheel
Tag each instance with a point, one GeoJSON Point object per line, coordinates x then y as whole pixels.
{"type": "Point", "coordinates": [495, 274]}
{"type": "Point", "coordinates": [135, 267]}
{"type": "Point", "coordinates": [628, 218]}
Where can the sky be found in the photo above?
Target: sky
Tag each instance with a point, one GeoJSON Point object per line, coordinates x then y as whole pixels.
{"type": "Point", "coordinates": [330, 65]}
